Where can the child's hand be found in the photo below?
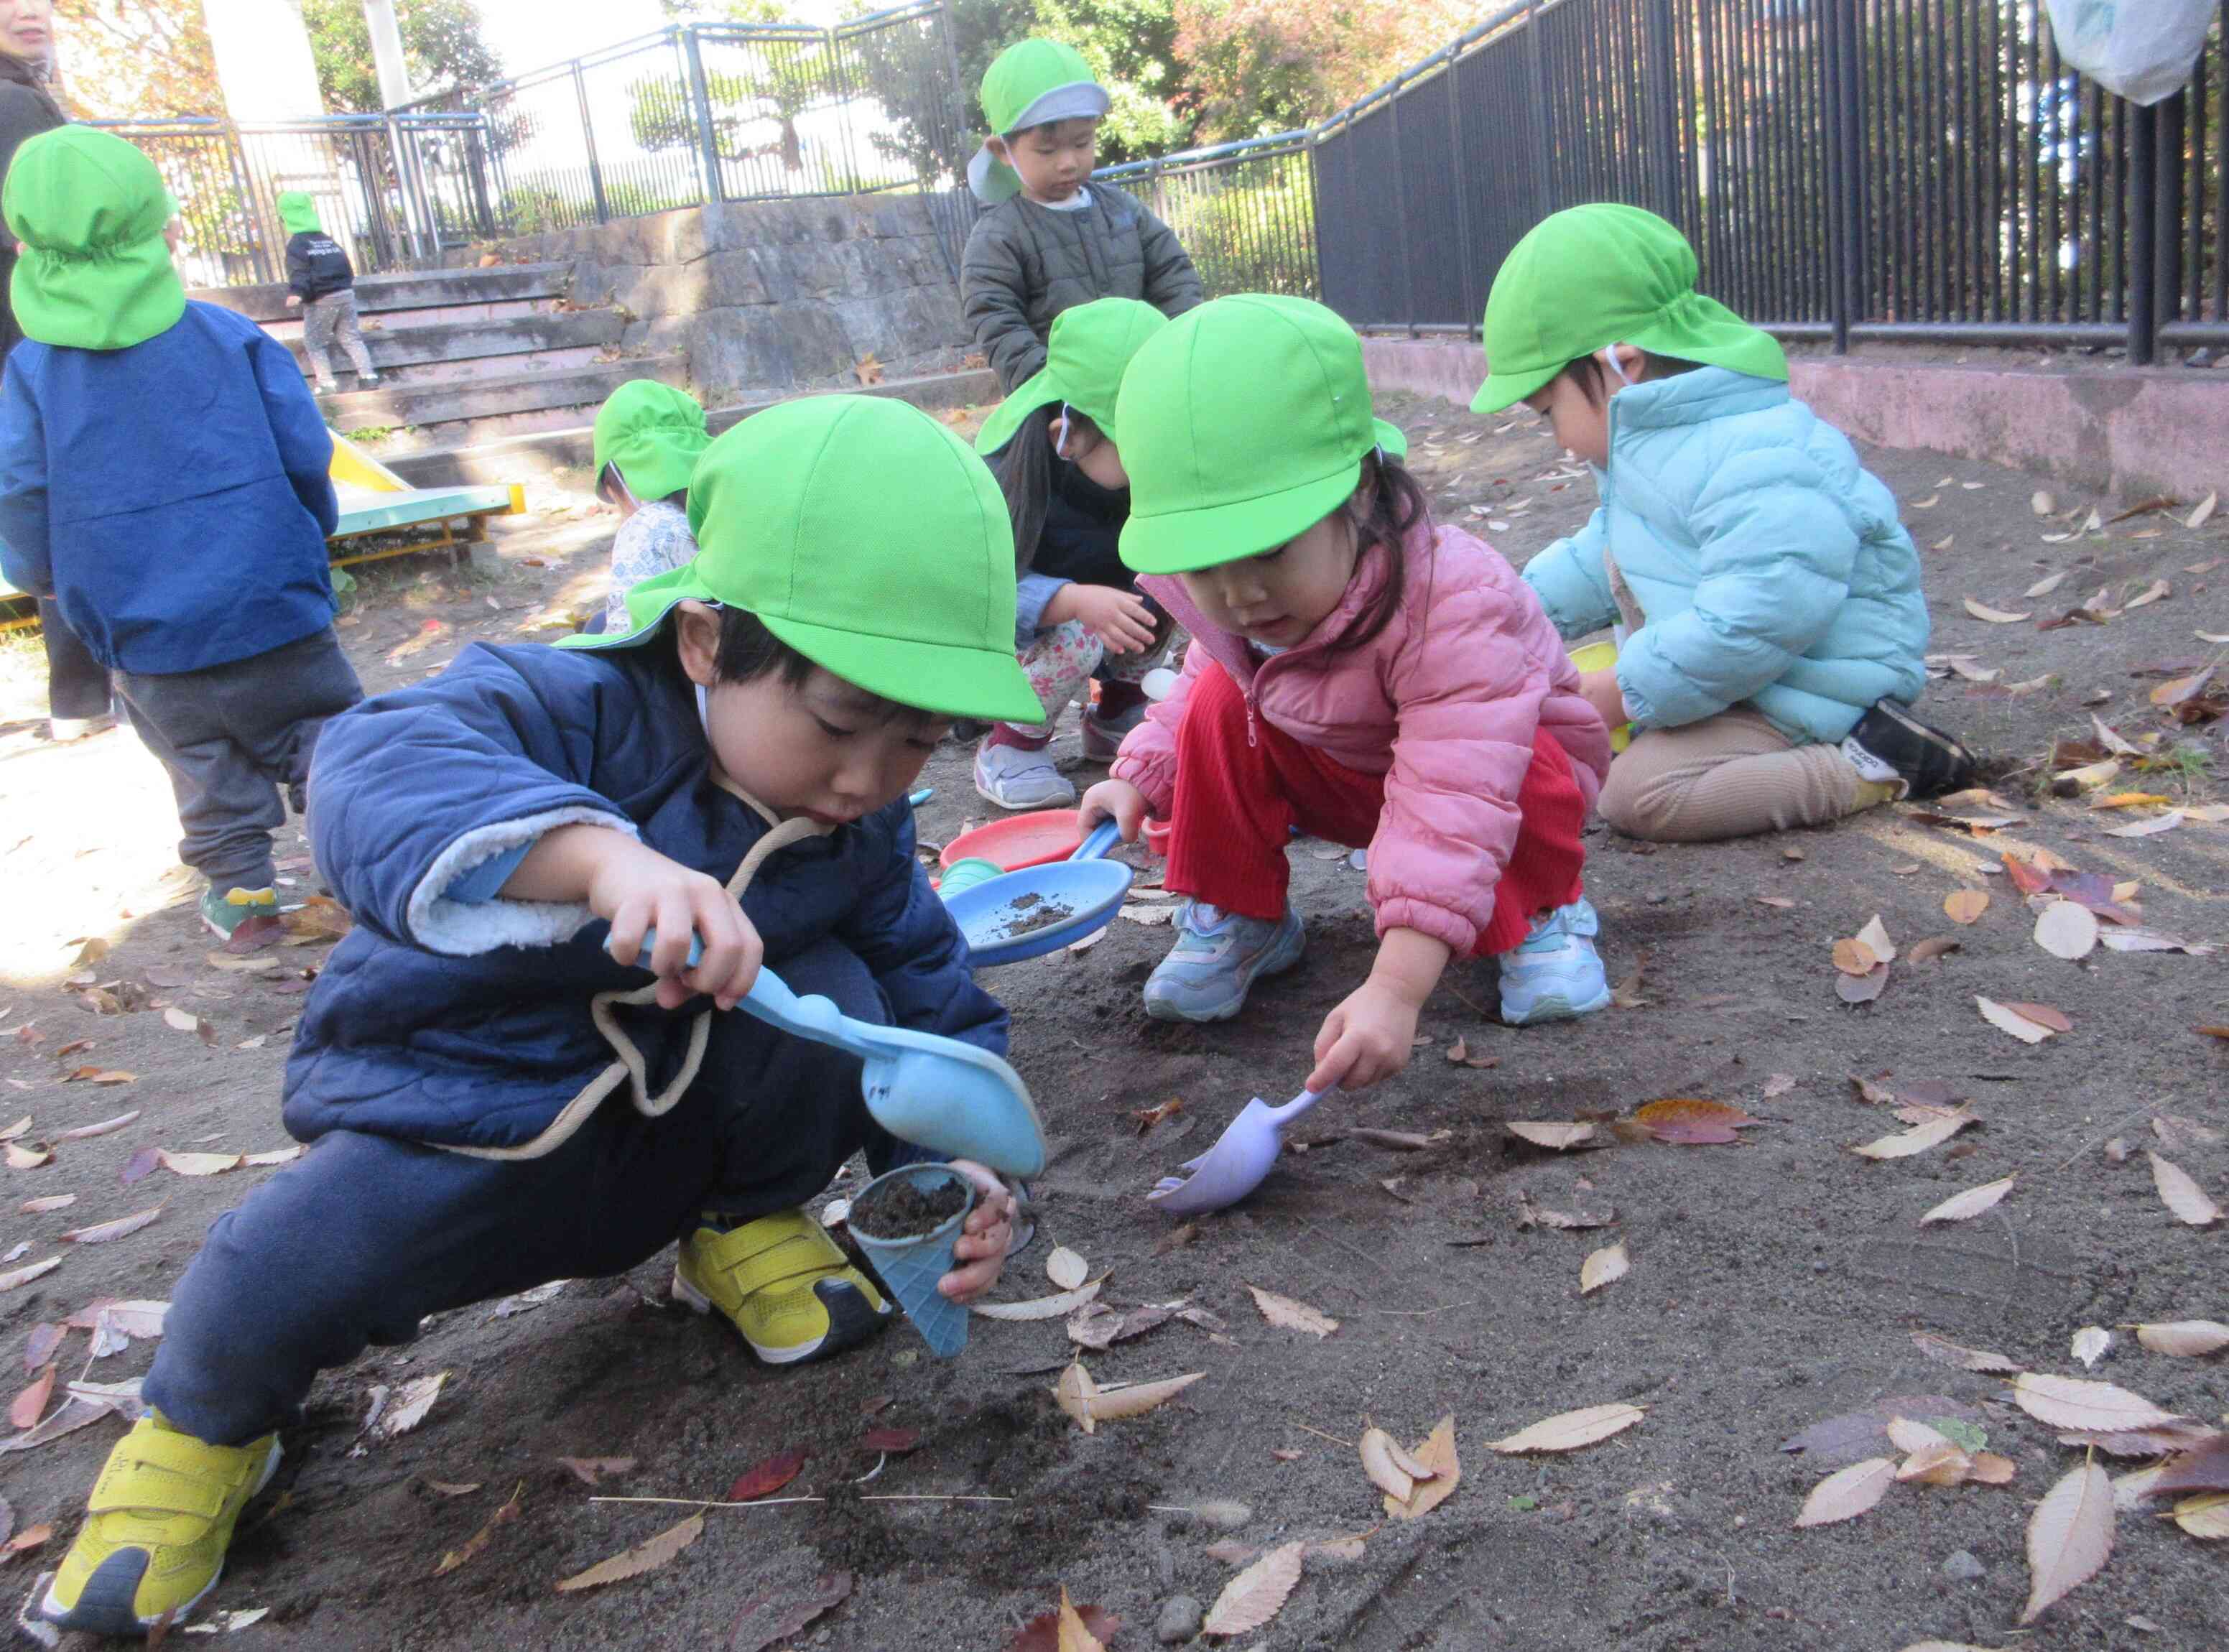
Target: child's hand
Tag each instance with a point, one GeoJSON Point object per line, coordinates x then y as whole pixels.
{"type": "Point", "coordinates": [1601, 691]}
{"type": "Point", "coordinates": [293, 298]}
{"type": "Point", "coordinates": [1116, 800]}
{"type": "Point", "coordinates": [1118, 618]}
{"type": "Point", "coordinates": [980, 1251]}
{"type": "Point", "coordinates": [1367, 1038]}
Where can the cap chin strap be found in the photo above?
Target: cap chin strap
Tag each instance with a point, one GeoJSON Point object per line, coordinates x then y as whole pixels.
{"type": "Point", "coordinates": [1060, 433]}
{"type": "Point", "coordinates": [1609, 353]}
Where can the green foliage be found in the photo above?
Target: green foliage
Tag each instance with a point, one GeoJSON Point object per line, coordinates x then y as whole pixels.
{"type": "Point", "coordinates": [442, 44]}
{"type": "Point", "coordinates": [1248, 227]}
{"type": "Point", "coordinates": [1254, 66]}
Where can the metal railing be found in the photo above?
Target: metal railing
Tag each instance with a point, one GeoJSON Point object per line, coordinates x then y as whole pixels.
{"type": "Point", "coordinates": [1246, 212]}
{"type": "Point", "coordinates": [1848, 169]}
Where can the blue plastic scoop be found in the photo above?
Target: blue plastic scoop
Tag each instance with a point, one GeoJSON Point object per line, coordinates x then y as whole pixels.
{"type": "Point", "coordinates": [933, 1091]}
{"type": "Point", "coordinates": [1240, 1161]}
{"type": "Point", "coordinates": [1039, 909]}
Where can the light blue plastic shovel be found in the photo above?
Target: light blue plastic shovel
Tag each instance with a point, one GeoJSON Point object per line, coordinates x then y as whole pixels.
{"type": "Point", "coordinates": [933, 1091]}
{"type": "Point", "coordinates": [1240, 1161]}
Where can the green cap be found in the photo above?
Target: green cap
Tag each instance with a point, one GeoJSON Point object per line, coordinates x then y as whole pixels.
{"type": "Point", "coordinates": [868, 537]}
{"type": "Point", "coordinates": [1032, 83]}
{"type": "Point", "coordinates": [1604, 274]}
{"type": "Point", "coordinates": [653, 433]}
{"type": "Point", "coordinates": [1090, 346]}
{"type": "Point", "coordinates": [1243, 423]}
{"type": "Point", "coordinates": [96, 273]}
{"type": "Point", "coordinates": [298, 213]}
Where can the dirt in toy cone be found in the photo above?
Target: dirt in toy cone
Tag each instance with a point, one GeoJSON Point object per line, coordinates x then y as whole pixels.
{"type": "Point", "coordinates": [905, 1209]}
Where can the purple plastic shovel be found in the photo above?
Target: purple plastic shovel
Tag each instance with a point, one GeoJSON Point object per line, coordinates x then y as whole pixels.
{"type": "Point", "coordinates": [1240, 1161]}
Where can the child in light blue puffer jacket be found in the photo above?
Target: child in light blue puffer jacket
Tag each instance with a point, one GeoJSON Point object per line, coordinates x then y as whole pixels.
{"type": "Point", "coordinates": [1765, 597]}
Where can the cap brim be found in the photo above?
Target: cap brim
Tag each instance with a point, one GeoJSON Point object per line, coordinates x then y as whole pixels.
{"type": "Point", "coordinates": [647, 605]}
{"type": "Point", "coordinates": [1034, 392]}
{"type": "Point", "coordinates": [1504, 390]}
{"type": "Point", "coordinates": [947, 679]}
{"type": "Point", "coordinates": [1186, 541]}
{"type": "Point", "coordinates": [1392, 440]}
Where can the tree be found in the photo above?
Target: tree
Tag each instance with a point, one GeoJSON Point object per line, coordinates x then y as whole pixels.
{"type": "Point", "coordinates": [441, 42]}
{"type": "Point", "coordinates": [1254, 66]}
{"type": "Point", "coordinates": [124, 59]}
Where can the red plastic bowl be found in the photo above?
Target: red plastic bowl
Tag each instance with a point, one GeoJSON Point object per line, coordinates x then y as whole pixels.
{"type": "Point", "coordinates": [1035, 839]}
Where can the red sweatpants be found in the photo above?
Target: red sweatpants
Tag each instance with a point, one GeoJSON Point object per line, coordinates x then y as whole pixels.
{"type": "Point", "coordinates": [1236, 804]}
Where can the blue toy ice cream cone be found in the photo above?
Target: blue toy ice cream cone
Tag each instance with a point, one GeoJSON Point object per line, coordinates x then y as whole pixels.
{"type": "Point", "coordinates": [910, 1266]}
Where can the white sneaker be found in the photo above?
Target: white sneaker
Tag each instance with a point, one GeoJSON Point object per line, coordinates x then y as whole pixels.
{"type": "Point", "coordinates": [1014, 777]}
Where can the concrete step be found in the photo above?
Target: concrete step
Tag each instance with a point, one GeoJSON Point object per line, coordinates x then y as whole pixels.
{"type": "Point", "coordinates": [407, 290]}
{"type": "Point", "coordinates": [500, 309]}
{"type": "Point", "coordinates": [461, 415]}
{"type": "Point", "coordinates": [418, 353]}
{"type": "Point", "coordinates": [528, 447]}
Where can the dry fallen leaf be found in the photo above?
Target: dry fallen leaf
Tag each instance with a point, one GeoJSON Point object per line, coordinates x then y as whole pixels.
{"type": "Point", "coordinates": [2072, 1403]}
{"type": "Point", "coordinates": [1966, 905]}
{"type": "Point", "coordinates": [2090, 1345]}
{"type": "Point", "coordinates": [200, 1164]}
{"type": "Point", "coordinates": [1854, 957]}
{"type": "Point", "coordinates": [2066, 929]}
{"type": "Point", "coordinates": [1551, 1133]}
{"type": "Point", "coordinates": [1074, 1634]}
{"type": "Point", "coordinates": [1943, 1351]}
{"type": "Point", "coordinates": [1682, 1121]}
{"type": "Point", "coordinates": [1874, 936]}
{"type": "Point", "coordinates": [772, 1619]}
{"type": "Point", "coordinates": [2203, 513]}
{"type": "Point", "coordinates": [51, 1202]}
{"type": "Point", "coordinates": [1375, 1448]}
{"type": "Point", "coordinates": [1040, 1307]}
{"type": "Point", "coordinates": [2007, 1019]}
{"type": "Point", "coordinates": [2069, 1537]}
{"type": "Point", "coordinates": [1288, 1314]}
{"type": "Point", "coordinates": [1067, 1269]}
{"type": "Point", "coordinates": [1920, 1138]}
{"type": "Point", "coordinates": [1090, 1405]}
{"type": "Point", "coordinates": [20, 1157]}
{"type": "Point", "coordinates": [1962, 1207]}
{"type": "Point", "coordinates": [31, 1404]}
{"type": "Point", "coordinates": [1570, 1430]}
{"type": "Point", "coordinates": [107, 1126]}
{"type": "Point", "coordinates": [2184, 1339]}
{"type": "Point", "coordinates": [2206, 1516]}
{"type": "Point", "coordinates": [590, 1471]}
{"type": "Point", "coordinates": [1847, 1492]}
{"type": "Point", "coordinates": [1934, 947]}
{"type": "Point", "coordinates": [479, 1539]}
{"type": "Point", "coordinates": [1258, 1594]}
{"type": "Point", "coordinates": [1603, 1267]}
{"type": "Point", "coordinates": [1994, 616]}
{"type": "Point", "coordinates": [643, 1557]}
{"type": "Point", "coordinates": [2181, 1194]}
{"type": "Point", "coordinates": [409, 1405]}
{"type": "Point", "coordinates": [102, 1232]}
{"type": "Point", "coordinates": [1437, 1452]}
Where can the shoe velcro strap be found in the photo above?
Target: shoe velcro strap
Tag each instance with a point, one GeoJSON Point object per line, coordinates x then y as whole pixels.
{"type": "Point", "coordinates": [802, 1253]}
{"type": "Point", "coordinates": [185, 1484]}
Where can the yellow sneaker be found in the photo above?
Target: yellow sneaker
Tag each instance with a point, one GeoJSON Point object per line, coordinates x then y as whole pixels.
{"type": "Point", "coordinates": [159, 1520]}
{"type": "Point", "coordinates": [783, 1283]}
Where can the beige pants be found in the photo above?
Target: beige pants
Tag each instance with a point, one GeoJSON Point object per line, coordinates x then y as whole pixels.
{"type": "Point", "coordinates": [1727, 776]}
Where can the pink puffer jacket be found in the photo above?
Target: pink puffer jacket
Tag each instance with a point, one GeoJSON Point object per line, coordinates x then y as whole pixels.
{"type": "Point", "coordinates": [1444, 703]}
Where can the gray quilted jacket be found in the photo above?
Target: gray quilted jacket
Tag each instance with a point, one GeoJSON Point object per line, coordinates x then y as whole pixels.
{"type": "Point", "coordinates": [1026, 264]}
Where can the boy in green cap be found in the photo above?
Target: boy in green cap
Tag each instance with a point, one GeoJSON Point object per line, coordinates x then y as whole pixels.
{"type": "Point", "coordinates": [163, 477]}
{"type": "Point", "coordinates": [1079, 616]}
{"type": "Point", "coordinates": [1766, 598]}
{"type": "Point", "coordinates": [320, 279]}
{"type": "Point", "coordinates": [1052, 238]}
{"type": "Point", "coordinates": [496, 1093]}
{"type": "Point", "coordinates": [647, 438]}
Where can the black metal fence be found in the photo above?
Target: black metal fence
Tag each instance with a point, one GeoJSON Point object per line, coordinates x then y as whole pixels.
{"type": "Point", "coordinates": [1246, 212]}
{"type": "Point", "coordinates": [1923, 169]}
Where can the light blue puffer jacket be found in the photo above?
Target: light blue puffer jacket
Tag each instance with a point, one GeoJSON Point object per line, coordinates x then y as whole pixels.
{"type": "Point", "coordinates": [1768, 563]}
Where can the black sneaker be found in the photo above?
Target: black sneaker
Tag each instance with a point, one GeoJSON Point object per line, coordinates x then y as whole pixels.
{"type": "Point", "coordinates": [1890, 743]}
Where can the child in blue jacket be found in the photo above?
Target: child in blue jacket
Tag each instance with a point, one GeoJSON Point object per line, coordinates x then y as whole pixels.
{"type": "Point", "coordinates": [1766, 599]}
{"type": "Point", "coordinates": [162, 476]}
{"type": "Point", "coordinates": [492, 1096]}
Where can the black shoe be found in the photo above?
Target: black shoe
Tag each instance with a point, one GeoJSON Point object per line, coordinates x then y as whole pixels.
{"type": "Point", "coordinates": [1890, 742]}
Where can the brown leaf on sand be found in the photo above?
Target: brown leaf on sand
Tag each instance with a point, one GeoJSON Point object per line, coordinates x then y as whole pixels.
{"type": "Point", "coordinates": [200, 1164]}
{"type": "Point", "coordinates": [1862, 989]}
{"type": "Point", "coordinates": [319, 918]}
{"type": "Point", "coordinates": [1934, 947]}
{"type": "Point", "coordinates": [1090, 1404]}
{"type": "Point", "coordinates": [31, 1404]}
{"type": "Point", "coordinates": [1847, 1492]}
{"type": "Point", "coordinates": [1943, 1351]}
{"type": "Point", "coordinates": [590, 1471]}
{"type": "Point", "coordinates": [1854, 957]}
{"type": "Point", "coordinates": [1603, 1267]}
{"type": "Point", "coordinates": [1693, 1122]}
{"type": "Point", "coordinates": [1570, 1430]}
{"type": "Point", "coordinates": [106, 1127]}
{"type": "Point", "coordinates": [1149, 1117]}
{"type": "Point", "coordinates": [2006, 1019]}
{"type": "Point", "coordinates": [2184, 1339]}
{"type": "Point", "coordinates": [28, 1272]}
{"type": "Point", "coordinates": [1557, 1133]}
{"type": "Point", "coordinates": [1994, 616]}
{"type": "Point", "coordinates": [1437, 1452]}
{"type": "Point", "coordinates": [2074, 1403]}
{"type": "Point", "coordinates": [20, 1157]}
{"type": "Point", "coordinates": [1920, 1138]}
{"type": "Point", "coordinates": [481, 1538]}
{"type": "Point", "coordinates": [2204, 1467]}
{"type": "Point", "coordinates": [2069, 1537]}
{"type": "Point", "coordinates": [2206, 1516]}
{"type": "Point", "coordinates": [1288, 1314]}
{"type": "Point", "coordinates": [633, 1563]}
{"type": "Point", "coordinates": [102, 1232]}
{"type": "Point", "coordinates": [2179, 1191]}
{"type": "Point", "coordinates": [1258, 1594]}
{"type": "Point", "coordinates": [1964, 1207]}
{"type": "Point", "coordinates": [2066, 929]}
{"type": "Point", "coordinates": [768, 1620]}
{"type": "Point", "coordinates": [1057, 1630]}
{"type": "Point", "coordinates": [1966, 905]}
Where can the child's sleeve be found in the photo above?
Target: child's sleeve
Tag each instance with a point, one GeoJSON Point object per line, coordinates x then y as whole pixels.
{"type": "Point", "coordinates": [994, 299]}
{"type": "Point", "coordinates": [1571, 581]}
{"type": "Point", "coordinates": [1171, 284]}
{"type": "Point", "coordinates": [1468, 710]}
{"type": "Point", "coordinates": [306, 447]}
{"type": "Point", "coordinates": [1776, 551]}
{"type": "Point", "coordinates": [23, 545]}
{"type": "Point", "coordinates": [1031, 593]}
{"type": "Point", "coordinates": [902, 932]}
{"type": "Point", "coordinates": [419, 789]}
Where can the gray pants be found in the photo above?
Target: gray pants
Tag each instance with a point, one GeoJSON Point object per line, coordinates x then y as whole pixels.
{"type": "Point", "coordinates": [230, 738]}
{"type": "Point", "coordinates": [326, 319]}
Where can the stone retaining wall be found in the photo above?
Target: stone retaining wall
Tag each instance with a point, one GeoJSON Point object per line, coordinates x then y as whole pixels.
{"type": "Point", "coordinates": [766, 293]}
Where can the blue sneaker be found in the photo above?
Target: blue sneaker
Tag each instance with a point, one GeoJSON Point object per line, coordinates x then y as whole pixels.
{"type": "Point", "coordinates": [1217, 956]}
{"type": "Point", "coordinates": [1555, 973]}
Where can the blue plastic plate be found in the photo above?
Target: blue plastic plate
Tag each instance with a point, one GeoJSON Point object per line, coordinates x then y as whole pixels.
{"type": "Point", "coordinates": [995, 914]}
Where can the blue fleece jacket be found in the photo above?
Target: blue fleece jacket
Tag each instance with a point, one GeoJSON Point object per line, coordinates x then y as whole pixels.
{"type": "Point", "coordinates": [172, 497]}
{"type": "Point", "coordinates": [449, 1018]}
{"type": "Point", "coordinates": [1768, 564]}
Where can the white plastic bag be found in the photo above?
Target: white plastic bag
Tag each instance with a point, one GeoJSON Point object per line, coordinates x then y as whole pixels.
{"type": "Point", "coordinates": [2142, 49]}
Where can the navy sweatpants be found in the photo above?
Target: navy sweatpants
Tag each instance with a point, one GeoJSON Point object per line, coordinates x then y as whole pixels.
{"type": "Point", "coordinates": [364, 1236]}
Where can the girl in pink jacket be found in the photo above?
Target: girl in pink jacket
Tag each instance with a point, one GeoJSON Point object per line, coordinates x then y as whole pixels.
{"type": "Point", "coordinates": [1355, 672]}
